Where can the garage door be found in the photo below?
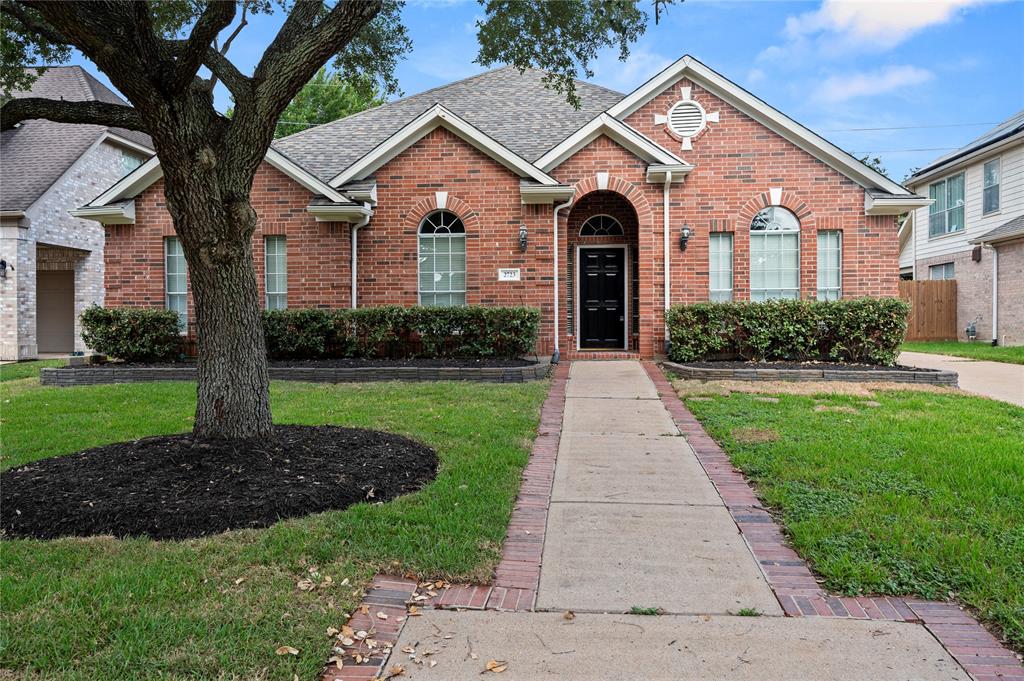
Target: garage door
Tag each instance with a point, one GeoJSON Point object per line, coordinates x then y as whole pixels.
{"type": "Point", "coordinates": [55, 310]}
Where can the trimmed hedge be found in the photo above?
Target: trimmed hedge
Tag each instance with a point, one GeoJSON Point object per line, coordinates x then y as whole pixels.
{"type": "Point", "coordinates": [394, 331]}
{"type": "Point", "coordinates": [132, 334]}
{"type": "Point", "coordinates": [862, 330]}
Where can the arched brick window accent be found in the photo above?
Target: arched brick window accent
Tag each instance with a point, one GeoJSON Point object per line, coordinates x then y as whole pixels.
{"type": "Point", "coordinates": [441, 224]}
{"type": "Point", "coordinates": [752, 279]}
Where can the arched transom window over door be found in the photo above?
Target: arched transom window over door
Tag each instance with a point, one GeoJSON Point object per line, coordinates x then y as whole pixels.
{"type": "Point", "coordinates": [442, 259]}
{"type": "Point", "coordinates": [774, 255]}
{"type": "Point", "coordinates": [601, 225]}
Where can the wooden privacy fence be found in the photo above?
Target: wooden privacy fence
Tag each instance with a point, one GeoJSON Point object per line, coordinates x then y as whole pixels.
{"type": "Point", "coordinates": [932, 309]}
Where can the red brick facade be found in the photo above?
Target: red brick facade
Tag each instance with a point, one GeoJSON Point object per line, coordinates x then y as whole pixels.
{"type": "Point", "coordinates": [738, 162]}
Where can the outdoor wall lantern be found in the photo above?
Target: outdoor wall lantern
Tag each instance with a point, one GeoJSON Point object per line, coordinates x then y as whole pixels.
{"type": "Point", "coordinates": [3, 269]}
{"type": "Point", "coordinates": [522, 238]}
{"type": "Point", "coordinates": [684, 237]}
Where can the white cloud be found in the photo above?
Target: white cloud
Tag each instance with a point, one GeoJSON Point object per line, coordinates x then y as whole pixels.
{"type": "Point", "coordinates": [879, 23]}
{"type": "Point", "coordinates": [872, 83]}
{"type": "Point", "coordinates": [641, 65]}
{"type": "Point", "coordinates": [755, 76]}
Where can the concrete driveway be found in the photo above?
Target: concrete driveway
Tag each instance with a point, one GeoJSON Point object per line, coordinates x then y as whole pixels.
{"type": "Point", "coordinates": [998, 380]}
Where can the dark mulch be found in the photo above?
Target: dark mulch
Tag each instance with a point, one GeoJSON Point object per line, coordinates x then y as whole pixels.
{"type": "Point", "coordinates": [354, 363]}
{"type": "Point", "coordinates": [829, 366]}
{"type": "Point", "coordinates": [174, 487]}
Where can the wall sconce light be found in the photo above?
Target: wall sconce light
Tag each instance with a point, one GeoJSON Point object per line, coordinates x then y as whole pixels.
{"type": "Point", "coordinates": [522, 238]}
{"type": "Point", "coordinates": [684, 237]}
{"type": "Point", "coordinates": [3, 269]}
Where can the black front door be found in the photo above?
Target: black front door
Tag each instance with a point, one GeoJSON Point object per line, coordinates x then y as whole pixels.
{"type": "Point", "coordinates": [602, 298]}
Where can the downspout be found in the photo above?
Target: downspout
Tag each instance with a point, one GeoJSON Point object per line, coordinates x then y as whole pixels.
{"type": "Point", "coordinates": [995, 294]}
{"type": "Point", "coordinates": [355, 259]}
{"type": "Point", "coordinates": [556, 355]}
{"type": "Point", "coordinates": [667, 255]}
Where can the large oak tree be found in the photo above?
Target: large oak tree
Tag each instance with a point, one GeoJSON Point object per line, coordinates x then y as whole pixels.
{"type": "Point", "coordinates": [165, 56]}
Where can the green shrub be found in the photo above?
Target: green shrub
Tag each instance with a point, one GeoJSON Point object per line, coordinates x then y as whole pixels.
{"type": "Point", "coordinates": [394, 331]}
{"type": "Point", "coordinates": [132, 334]}
{"type": "Point", "coordinates": [864, 330]}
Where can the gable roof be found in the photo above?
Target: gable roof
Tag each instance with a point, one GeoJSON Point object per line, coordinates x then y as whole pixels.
{"type": "Point", "coordinates": [514, 109]}
{"type": "Point", "coordinates": [1012, 229]}
{"type": "Point", "coordinates": [1013, 125]}
{"type": "Point", "coordinates": [37, 152]}
{"type": "Point", "coordinates": [628, 137]}
{"type": "Point", "coordinates": [435, 117]}
{"type": "Point", "coordinates": [768, 116]}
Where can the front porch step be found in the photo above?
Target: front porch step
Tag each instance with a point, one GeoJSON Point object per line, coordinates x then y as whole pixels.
{"type": "Point", "coordinates": [600, 354]}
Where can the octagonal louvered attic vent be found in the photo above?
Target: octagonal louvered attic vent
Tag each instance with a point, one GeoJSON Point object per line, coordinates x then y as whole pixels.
{"type": "Point", "coordinates": [686, 118]}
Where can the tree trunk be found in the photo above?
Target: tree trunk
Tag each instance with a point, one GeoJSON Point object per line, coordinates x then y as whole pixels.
{"type": "Point", "coordinates": [209, 203]}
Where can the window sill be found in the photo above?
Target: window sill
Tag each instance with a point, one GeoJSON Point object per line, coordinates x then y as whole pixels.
{"type": "Point", "coordinates": [939, 237]}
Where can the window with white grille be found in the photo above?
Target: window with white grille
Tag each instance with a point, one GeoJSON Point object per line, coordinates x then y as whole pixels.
{"type": "Point", "coordinates": [176, 281]}
{"type": "Point", "coordinates": [442, 258]}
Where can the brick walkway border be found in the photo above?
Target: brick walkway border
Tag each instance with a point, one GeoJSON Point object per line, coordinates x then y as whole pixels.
{"type": "Point", "coordinates": [978, 651]}
{"type": "Point", "coordinates": [515, 580]}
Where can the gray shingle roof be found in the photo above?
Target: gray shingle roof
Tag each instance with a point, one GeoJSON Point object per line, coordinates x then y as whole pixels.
{"type": "Point", "coordinates": [1008, 230]}
{"type": "Point", "coordinates": [1010, 126]}
{"type": "Point", "coordinates": [515, 109]}
{"type": "Point", "coordinates": [36, 153]}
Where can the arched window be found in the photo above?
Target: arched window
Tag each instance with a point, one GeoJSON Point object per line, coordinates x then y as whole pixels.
{"type": "Point", "coordinates": [774, 255]}
{"type": "Point", "coordinates": [601, 225]}
{"type": "Point", "coordinates": [442, 258]}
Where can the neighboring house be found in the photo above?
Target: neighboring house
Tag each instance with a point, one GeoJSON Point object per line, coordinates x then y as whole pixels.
{"type": "Point", "coordinates": [974, 231]}
{"type": "Point", "coordinates": [493, 190]}
{"type": "Point", "coordinates": [52, 265]}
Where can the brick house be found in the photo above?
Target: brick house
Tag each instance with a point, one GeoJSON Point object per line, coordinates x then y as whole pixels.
{"type": "Point", "coordinates": [974, 231]}
{"type": "Point", "coordinates": [51, 262]}
{"type": "Point", "coordinates": [493, 190]}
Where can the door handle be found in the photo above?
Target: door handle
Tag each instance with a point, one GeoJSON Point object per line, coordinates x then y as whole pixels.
{"type": "Point", "coordinates": [622, 318]}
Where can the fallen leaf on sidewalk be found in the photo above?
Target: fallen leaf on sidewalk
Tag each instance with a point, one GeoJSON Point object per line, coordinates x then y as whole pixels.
{"type": "Point", "coordinates": [569, 615]}
{"type": "Point", "coordinates": [496, 666]}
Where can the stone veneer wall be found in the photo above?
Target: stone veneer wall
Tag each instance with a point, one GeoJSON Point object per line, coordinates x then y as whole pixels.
{"type": "Point", "coordinates": [47, 224]}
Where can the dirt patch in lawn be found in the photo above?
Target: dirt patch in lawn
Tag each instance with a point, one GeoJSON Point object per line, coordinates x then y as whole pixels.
{"type": "Point", "coordinates": [175, 487]}
{"type": "Point", "coordinates": [753, 436]}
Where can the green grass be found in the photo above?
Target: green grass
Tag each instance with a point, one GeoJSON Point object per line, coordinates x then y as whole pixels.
{"type": "Point", "coordinates": [30, 369]}
{"type": "Point", "coordinates": [748, 612]}
{"type": "Point", "coordinates": [642, 610]}
{"type": "Point", "coordinates": [976, 350]}
{"type": "Point", "coordinates": [218, 607]}
{"type": "Point", "coordinates": [922, 495]}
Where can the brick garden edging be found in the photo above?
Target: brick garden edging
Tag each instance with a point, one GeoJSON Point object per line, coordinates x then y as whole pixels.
{"type": "Point", "coordinates": [515, 580]}
{"type": "Point", "coordinates": [930, 376]}
{"type": "Point", "coordinates": [93, 375]}
{"type": "Point", "coordinates": [795, 586]}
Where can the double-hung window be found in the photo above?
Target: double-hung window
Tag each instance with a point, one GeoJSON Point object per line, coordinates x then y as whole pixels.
{"type": "Point", "coordinates": [774, 255]}
{"type": "Point", "coordinates": [276, 272]}
{"type": "Point", "coordinates": [990, 187]}
{"type": "Point", "coordinates": [830, 267]}
{"type": "Point", "coordinates": [720, 266]}
{"type": "Point", "coordinates": [946, 215]}
{"type": "Point", "coordinates": [176, 281]}
{"type": "Point", "coordinates": [442, 258]}
{"type": "Point", "coordinates": [942, 272]}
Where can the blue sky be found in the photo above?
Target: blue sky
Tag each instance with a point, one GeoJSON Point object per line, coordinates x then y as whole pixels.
{"type": "Point", "coordinates": [837, 66]}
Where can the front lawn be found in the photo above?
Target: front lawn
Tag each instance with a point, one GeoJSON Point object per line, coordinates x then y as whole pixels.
{"type": "Point", "coordinates": [900, 493]}
{"type": "Point", "coordinates": [1013, 354]}
{"type": "Point", "coordinates": [219, 607]}
{"type": "Point", "coordinates": [30, 369]}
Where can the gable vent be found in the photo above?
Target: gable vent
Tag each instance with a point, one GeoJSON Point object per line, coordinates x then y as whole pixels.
{"type": "Point", "coordinates": [686, 118]}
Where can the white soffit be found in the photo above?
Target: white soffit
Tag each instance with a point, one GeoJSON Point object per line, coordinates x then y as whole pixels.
{"type": "Point", "coordinates": [436, 117]}
{"type": "Point", "coordinates": [771, 118]}
{"type": "Point", "coordinates": [603, 124]}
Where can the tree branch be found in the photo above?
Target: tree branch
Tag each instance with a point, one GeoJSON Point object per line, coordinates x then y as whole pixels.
{"type": "Point", "coordinates": [33, 24]}
{"type": "Point", "coordinates": [192, 51]}
{"type": "Point", "coordinates": [221, 67]}
{"type": "Point", "coordinates": [96, 113]}
{"type": "Point", "coordinates": [223, 51]}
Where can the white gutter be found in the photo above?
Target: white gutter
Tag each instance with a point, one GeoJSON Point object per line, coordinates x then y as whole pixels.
{"type": "Point", "coordinates": [355, 257]}
{"type": "Point", "coordinates": [556, 355]}
{"type": "Point", "coordinates": [667, 255]}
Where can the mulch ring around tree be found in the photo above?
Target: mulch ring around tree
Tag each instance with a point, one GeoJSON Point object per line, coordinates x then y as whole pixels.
{"type": "Point", "coordinates": [176, 487]}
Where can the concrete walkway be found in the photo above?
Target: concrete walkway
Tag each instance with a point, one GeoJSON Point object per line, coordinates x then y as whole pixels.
{"type": "Point", "coordinates": [635, 521]}
{"type": "Point", "coordinates": [998, 380]}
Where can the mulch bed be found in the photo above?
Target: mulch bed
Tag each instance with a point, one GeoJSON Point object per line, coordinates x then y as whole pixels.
{"type": "Point", "coordinates": [355, 363]}
{"type": "Point", "coordinates": [175, 487]}
{"type": "Point", "coordinates": [821, 366]}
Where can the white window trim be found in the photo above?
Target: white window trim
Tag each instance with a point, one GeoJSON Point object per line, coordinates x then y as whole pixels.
{"type": "Point", "coordinates": [598, 236]}
{"type": "Point", "coordinates": [419, 258]}
{"type": "Point", "coordinates": [779, 233]}
{"type": "Point", "coordinates": [943, 265]}
{"type": "Point", "coordinates": [167, 294]}
{"type": "Point", "coordinates": [732, 267]}
{"type": "Point", "coordinates": [626, 337]}
{"type": "Point", "coordinates": [945, 212]}
{"type": "Point", "coordinates": [999, 185]}
{"type": "Point", "coordinates": [266, 272]}
{"type": "Point", "coordinates": [839, 265]}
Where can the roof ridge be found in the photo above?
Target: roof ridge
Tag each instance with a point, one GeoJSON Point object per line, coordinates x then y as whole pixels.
{"type": "Point", "coordinates": [92, 82]}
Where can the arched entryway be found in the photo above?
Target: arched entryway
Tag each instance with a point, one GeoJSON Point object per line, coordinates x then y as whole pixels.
{"type": "Point", "coordinates": [602, 273]}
